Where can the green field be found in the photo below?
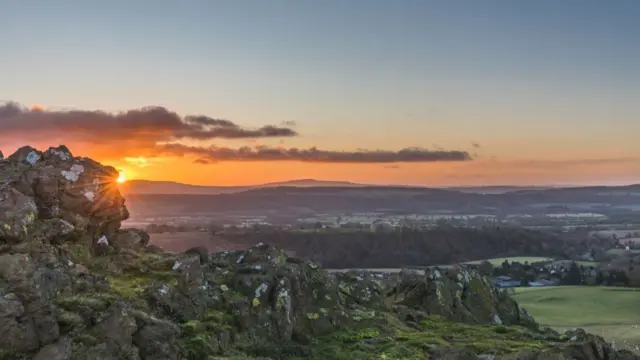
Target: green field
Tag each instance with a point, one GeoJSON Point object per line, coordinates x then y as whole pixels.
{"type": "Point", "coordinates": [618, 252]}
{"type": "Point", "coordinates": [611, 312]}
{"type": "Point", "coordinates": [567, 263]}
{"type": "Point", "coordinates": [520, 259]}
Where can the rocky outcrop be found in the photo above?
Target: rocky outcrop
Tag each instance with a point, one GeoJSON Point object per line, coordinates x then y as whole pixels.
{"type": "Point", "coordinates": [73, 285]}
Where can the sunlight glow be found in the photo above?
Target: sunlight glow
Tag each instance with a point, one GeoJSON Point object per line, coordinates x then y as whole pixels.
{"type": "Point", "coordinates": [121, 178]}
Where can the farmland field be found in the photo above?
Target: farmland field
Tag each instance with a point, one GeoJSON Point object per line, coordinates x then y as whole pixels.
{"type": "Point", "coordinates": [611, 312]}
{"type": "Point", "coordinates": [618, 252]}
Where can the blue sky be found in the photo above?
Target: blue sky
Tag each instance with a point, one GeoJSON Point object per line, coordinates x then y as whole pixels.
{"type": "Point", "coordinates": [542, 80]}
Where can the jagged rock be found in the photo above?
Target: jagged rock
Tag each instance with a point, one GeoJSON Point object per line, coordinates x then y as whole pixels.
{"type": "Point", "coordinates": [15, 334]}
{"type": "Point", "coordinates": [459, 294]}
{"type": "Point", "coordinates": [130, 239]}
{"type": "Point", "coordinates": [74, 286]}
{"type": "Point", "coordinates": [17, 215]}
{"type": "Point", "coordinates": [60, 350]}
{"type": "Point", "coordinates": [201, 251]}
{"type": "Point", "coordinates": [54, 184]}
{"type": "Point", "coordinates": [26, 154]}
{"type": "Point", "coordinates": [157, 339]}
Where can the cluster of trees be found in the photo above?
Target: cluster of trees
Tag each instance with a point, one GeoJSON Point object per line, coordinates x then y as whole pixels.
{"type": "Point", "coordinates": [414, 247]}
{"type": "Point", "coordinates": [574, 274]}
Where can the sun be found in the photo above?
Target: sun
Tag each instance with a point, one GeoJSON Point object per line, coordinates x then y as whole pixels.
{"type": "Point", "coordinates": [121, 178]}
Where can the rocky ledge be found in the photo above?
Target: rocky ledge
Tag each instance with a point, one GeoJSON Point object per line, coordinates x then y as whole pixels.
{"type": "Point", "coordinates": [74, 285]}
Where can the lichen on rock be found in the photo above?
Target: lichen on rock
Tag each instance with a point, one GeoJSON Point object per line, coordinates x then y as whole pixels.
{"type": "Point", "coordinates": [75, 286]}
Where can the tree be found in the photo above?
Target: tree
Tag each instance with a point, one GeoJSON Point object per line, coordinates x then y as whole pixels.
{"type": "Point", "coordinates": [506, 265]}
{"type": "Point", "coordinates": [574, 275]}
{"type": "Point", "coordinates": [485, 268]}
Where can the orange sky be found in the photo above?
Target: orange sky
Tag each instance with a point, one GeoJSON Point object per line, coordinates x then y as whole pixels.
{"type": "Point", "coordinates": [484, 169]}
{"type": "Point", "coordinates": [479, 172]}
{"type": "Point", "coordinates": [157, 144]}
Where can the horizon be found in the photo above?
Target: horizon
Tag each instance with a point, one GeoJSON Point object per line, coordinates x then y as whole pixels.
{"type": "Point", "coordinates": [281, 183]}
{"type": "Point", "coordinates": [414, 93]}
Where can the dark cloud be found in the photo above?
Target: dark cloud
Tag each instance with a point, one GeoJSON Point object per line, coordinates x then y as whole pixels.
{"type": "Point", "coordinates": [146, 126]}
{"type": "Point", "coordinates": [476, 145]}
{"type": "Point", "coordinates": [215, 154]}
{"type": "Point", "coordinates": [156, 131]}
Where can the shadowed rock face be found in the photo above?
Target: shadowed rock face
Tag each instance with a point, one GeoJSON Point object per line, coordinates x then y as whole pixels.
{"type": "Point", "coordinates": [74, 286]}
{"type": "Point", "coordinates": [65, 193]}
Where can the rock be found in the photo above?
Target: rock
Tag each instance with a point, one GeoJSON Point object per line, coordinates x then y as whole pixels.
{"type": "Point", "coordinates": [156, 339]}
{"type": "Point", "coordinates": [54, 184]}
{"type": "Point", "coordinates": [17, 215]}
{"type": "Point", "coordinates": [14, 333]}
{"type": "Point", "coordinates": [130, 239]}
{"type": "Point", "coordinates": [26, 154]}
{"type": "Point", "coordinates": [201, 251]}
{"type": "Point", "coordinates": [459, 294]}
{"type": "Point", "coordinates": [60, 350]}
{"type": "Point", "coordinates": [117, 325]}
{"type": "Point", "coordinates": [29, 294]}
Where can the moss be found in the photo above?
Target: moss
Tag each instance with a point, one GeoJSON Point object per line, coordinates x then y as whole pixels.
{"type": "Point", "coordinates": [389, 341]}
{"type": "Point", "coordinates": [97, 302]}
{"type": "Point", "coordinates": [68, 320]}
{"type": "Point", "coordinates": [131, 287]}
{"type": "Point", "coordinates": [480, 289]}
{"type": "Point", "coordinates": [82, 340]}
{"type": "Point", "coordinates": [11, 355]}
{"type": "Point", "coordinates": [201, 338]}
{"type": "Point", "coordinates": [79, 253]}
{"type": "Point", "coordinates": [128, 287]}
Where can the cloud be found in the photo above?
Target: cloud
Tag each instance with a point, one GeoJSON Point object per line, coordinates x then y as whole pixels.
{"type": "Point", "coordinates": [139, 128]}
{"type": "Point", "coordinates": [214, 154]}
{"type": "Point", "coordinates": [476, 145]}
{"type": "Point", "coordinates": [138, 136]}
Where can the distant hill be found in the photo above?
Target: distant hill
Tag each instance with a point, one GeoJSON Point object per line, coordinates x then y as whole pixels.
{"type": "Point", "coordinates": [148, 187]}
{"type": "Point", "coordinates": [286, 200]}
{"type": "Point", "coordinates": [497, 189]}
{"type": "Point", "coordinates": [143, 187]}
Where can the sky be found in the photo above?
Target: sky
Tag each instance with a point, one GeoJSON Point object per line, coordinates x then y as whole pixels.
{"type": "Point", "coordinates": [418, 92]}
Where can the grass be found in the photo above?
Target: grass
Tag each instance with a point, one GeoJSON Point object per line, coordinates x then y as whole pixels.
{"type": "Point", "coordinates": [611, 312]}
{"type": "Point", "coordinates": [373, 343]}
{"type": "Point", "coordinates": [618, 252]}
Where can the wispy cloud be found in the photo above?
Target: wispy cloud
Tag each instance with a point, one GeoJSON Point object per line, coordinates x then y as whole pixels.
{"type": "Point", "coordinates": [214, 154]}
{"type": "Point", "coordinates": [154, 131]}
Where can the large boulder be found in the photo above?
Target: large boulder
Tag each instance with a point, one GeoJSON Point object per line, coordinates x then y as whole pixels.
{"type": "Point", "coordinates": [460, 294]}
{"type": "Point", "coordinates": [55, 185]}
